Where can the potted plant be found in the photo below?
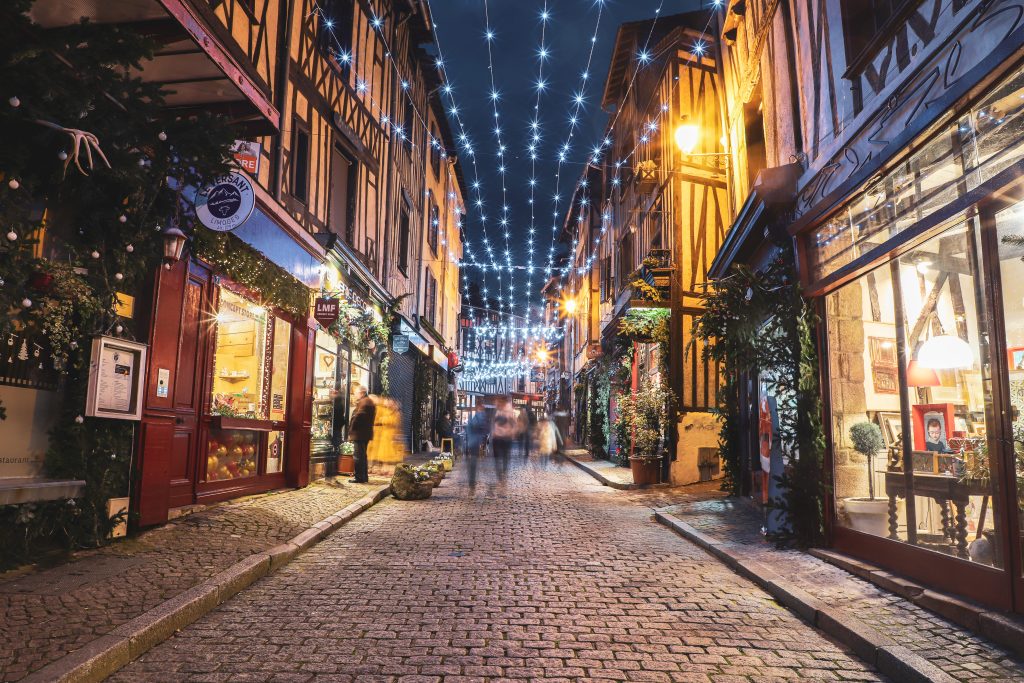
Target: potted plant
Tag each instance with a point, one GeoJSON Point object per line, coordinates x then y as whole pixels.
{"type": "Point", "coordinates": [411, 483]}
{"type": "Point", "coordinates": [643, 415]}
{"type": "Point", "coordinates": [868, 514]}
{"type": "Point", "coordinates": [346, 458]}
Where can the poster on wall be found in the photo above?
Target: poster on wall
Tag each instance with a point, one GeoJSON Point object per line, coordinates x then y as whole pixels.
{"type": "Point", "coordinates": [116, 374]}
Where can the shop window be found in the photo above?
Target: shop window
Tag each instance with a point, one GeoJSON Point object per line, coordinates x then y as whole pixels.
{"type": "Point", "coordinates": [403, 241]}
{"type": "Point", "coordinates": [325, 391]}
{"type": "Point", "coordinates": [241, 330]}
{"type": "Point", "coordinates": [300, 162]}
{"type": "Point", "coordinates": [252, 353]}
{"type": "Point", "coordinates": [909, 396]}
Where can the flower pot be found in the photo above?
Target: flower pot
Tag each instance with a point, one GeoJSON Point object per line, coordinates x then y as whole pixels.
{"type": "Point", "coordinates": [346, 464]}
{"type": "Point", "coordinates": [646, 471]}
{"type": "Point", "coordinates": [867, 515]}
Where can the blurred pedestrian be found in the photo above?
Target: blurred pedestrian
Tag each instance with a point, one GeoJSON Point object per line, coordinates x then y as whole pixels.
{"type": "Point", "coordinates": [547, 437]}
{"type": "Point", "coordinates": [443, 427]}
{"type": "Point", "coordinates": [476, 438]}
{"type": "Point", "coordinates": [360, 433]}
{"type": "Point", "coordinates": [504, 431]}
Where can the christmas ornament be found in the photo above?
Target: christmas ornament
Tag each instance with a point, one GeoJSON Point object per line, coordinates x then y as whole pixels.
{"type": "Point", "coordinates": [62, 155]}
{"type": "Point", "coordinates": [11, 235]}
{"type": "Point", "coordinates": [163, 136]}
{"type": "Point", "coordinates": [122, 218]}
{"type": "Point", "coordinates": [79, 419]}
{"type": "Point", "coordinates": [130, 248]}
{"type": "Point", "coordinates": [73, 345]}
{"type": "Point", "coordinates": [26, 303]}
{"type": "Point", "coordinates": [23, 351]}
{"type": "Point", "coordinates": [13, 184]}
{"type": "Point", "coordinates": [14, 102]}
{"type": "Point", "coordinates": [119, 329]}
{"type": "Point", "coordinates": [118, 276]}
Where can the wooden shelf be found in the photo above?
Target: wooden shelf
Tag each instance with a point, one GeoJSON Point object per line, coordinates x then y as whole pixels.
{"type": "Point", "coordinates": [224, 422]}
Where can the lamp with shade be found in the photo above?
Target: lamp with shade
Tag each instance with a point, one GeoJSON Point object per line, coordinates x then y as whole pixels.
{"type": "Point", "coordinates": [945, 352]}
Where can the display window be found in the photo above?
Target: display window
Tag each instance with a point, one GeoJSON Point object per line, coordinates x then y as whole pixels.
{"type": "Point", "coordinates": [252, 352]}
{"type": "Point", "coordinates": [325, 389]}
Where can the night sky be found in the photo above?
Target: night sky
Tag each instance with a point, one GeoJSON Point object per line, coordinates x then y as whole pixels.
{"type": "Point", "coordinates": [516, 24]}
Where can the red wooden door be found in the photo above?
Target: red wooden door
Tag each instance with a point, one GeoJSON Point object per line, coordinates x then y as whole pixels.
{"type": "Point", "coordinates": [176, 383]}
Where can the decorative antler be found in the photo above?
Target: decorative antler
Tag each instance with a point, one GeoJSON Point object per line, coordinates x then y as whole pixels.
{"type": "Point", "coordinates": [79, 138]}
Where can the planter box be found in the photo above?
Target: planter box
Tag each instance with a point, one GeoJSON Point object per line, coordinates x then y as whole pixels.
{"type": "Point", "coordinates": [646, 471]}
{"type": "Point", "coordinates": [224, 422]}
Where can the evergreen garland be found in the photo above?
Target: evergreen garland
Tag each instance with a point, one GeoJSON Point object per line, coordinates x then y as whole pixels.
{"type": "Point", "coordinates": [74, 234]}
{"type": "Point", "coordinates": [757, 321]}
{"type": "Point", "coordinates": [248, 267]}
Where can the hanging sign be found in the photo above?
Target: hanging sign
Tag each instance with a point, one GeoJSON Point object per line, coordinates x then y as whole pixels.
{"type": "Point", "coordinates": [400, 343]}
{"type": "Point", "coordinates": [326, 310]}
{"type": "Point", "coordinates": [537, 375]}
{"type": "Point", "coordinates": [247, 155]}
{"type": "Point", "coordinates": [225, 204]}
{"type": "Point", "coordinates": [594, 351]}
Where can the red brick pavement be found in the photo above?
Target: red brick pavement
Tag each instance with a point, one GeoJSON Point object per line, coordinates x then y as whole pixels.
{"type": "Point", "coordinates": [546, 576]}
{"type": "Point", "coordinates": [46, 614]}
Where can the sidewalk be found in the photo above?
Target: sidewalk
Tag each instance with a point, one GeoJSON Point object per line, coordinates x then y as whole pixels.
{"type": "Point", "coordinates": [45, 614]}
{"type": "Point", "coordinates": [905, 641]}
{"type": "Point", "coordinates": [605, 471]}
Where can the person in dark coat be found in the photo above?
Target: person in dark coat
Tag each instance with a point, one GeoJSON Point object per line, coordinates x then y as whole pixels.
{"type": "Point", "coordinates": [360, 433]}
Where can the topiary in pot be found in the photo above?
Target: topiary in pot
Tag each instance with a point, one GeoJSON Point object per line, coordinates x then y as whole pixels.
{"type": "Point", "coordinates": [867, 440]}
{"type": "Point", "coordinates": [867, 514]}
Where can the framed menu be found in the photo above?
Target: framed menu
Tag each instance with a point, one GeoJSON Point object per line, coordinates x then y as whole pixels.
{"type": "Point", "coordinates": [116, 370]}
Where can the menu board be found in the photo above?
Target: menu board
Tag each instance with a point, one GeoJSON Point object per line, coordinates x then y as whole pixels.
{"type": "Point", "coordinates": [115, 379]}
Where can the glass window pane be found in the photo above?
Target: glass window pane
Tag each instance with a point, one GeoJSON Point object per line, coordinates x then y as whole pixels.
{"type": "Point", "coordinates": [325, 382]}
{"type": "Point", "coordinates": [238, 366]}
{"type": "Point", "coordinates": [949, 396]}
{"type": "Point", "coordinates": [279, 369]}
{"type": "Point", "coordinates": [1010, 232]}
{"type": "Point", "coordinates": [231, 454]}
{"type": "Point", "coordinates": [275, 452]}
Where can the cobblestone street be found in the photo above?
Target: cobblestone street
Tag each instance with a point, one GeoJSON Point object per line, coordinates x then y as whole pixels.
{"type": "Point", "coordinates": [547, 575]}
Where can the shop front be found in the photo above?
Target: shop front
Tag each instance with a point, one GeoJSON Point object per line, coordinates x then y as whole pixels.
{"type": "Point", "coordinates": [918, 277]}
{"type": "Point", "coordinates": [346, 359]}
{"type": "Point", "coordinates": [226, 410]}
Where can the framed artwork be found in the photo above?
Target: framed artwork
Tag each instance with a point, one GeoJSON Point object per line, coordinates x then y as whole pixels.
{"type": "Point", "coordinates": [933, 425]}
{"type": "Point", "coordinates": [1015, 357]}
{"type": "Point", "coordinates": [891, 425]}
{"type": "Point", "coordinates": [883, 365]}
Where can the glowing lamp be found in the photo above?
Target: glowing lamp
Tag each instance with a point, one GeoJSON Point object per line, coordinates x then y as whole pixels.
{"type": "Point", "coordinates": [919, 376]}
{"type": "Point", "coordinates": [570, 306]}
{"type": "Point", "coordinates": [687, 137]}
{"type": "Point", "coordinates": [945, 352]}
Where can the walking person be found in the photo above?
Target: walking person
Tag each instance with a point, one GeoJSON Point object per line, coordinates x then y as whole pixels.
{"type": "Point", "coordinates": [503, 432]}
{"type": "Point", "coordinates": [360, 433]}
{"type": "Point", "coordinates": [476, 436]}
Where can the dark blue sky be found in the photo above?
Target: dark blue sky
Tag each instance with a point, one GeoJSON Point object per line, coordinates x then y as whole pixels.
{"type": "Point", "coordinates": [516, 25]}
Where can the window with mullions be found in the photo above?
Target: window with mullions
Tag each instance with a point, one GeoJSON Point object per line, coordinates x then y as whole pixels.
{"type": "Point", "coordinates": [863, 21]}
{"type": "Point", "coordinates": [433, 227]}
{"type": "Point", "coordinates": [334, 33]}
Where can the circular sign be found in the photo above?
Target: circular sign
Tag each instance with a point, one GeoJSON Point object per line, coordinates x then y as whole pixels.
{"type": "Point", "coordinates": [225, 204]}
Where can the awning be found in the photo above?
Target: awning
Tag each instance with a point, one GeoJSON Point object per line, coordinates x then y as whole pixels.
{"type": "Point", "coordinates": [193, 62]}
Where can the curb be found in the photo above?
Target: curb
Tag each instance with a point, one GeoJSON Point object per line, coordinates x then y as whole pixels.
{"type": "Point", "coordinates": [105, 655]}
{"type": "Point", "coordinates": [597, 475]}
{"type": "Point", "coordinates": [875, 648]}
{"type": "Point", "coordinates": [995, 626]}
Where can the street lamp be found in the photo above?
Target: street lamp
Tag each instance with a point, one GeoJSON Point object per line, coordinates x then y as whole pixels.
{"type": "Point", "coordinates": [174, 244]}
{"type": "Point", "coordinates": [687, 137]}
{"type": "Point", "coordinates": [569, 305]}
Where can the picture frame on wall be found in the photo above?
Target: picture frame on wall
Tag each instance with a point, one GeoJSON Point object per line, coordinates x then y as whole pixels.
{"type": "Point", "coordinates": [884, 375]}
{"type": "Point", "coordinates": [891, 425]}
{"type": "Point", "coordinates": [117, 369]}
{"type": "Point", "coordinates": [1015, 357]}
{"type": "Point", "coordinates": [933, 426]}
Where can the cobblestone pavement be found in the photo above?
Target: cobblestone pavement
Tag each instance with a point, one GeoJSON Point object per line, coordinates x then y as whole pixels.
{"type": "Point", "coordinates": [46, 614]}
{"type": "Point", "coordinates": [955, 650]}
{"type": "Point", "coordinates": [548, 575]}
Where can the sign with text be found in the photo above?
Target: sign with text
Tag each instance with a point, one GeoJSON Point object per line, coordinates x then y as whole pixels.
{"type": "Point", "coordinates": [400, 343]}
{"type": "Point", "coordinates": [226, 204]}
{"type": "Point", "coordinates": [326, 311]}
{"type": "Point", "coordinates": [247, 156]}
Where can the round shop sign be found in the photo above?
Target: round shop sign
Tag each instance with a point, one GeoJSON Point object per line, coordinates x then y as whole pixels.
{"type": "Point", "coordinates": [225, 204]}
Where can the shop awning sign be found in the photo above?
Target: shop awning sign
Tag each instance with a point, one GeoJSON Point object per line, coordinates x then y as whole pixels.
{"type": "Point", "coordinates": [326, 311]}
{"type": "Point", "coordinates": [226, 204]}
{"type": "Point", "coordinates": [400, 343]}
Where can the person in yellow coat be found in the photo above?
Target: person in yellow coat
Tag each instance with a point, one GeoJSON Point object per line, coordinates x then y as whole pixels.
{"type": "Point", "coordinates": [387, 449]}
